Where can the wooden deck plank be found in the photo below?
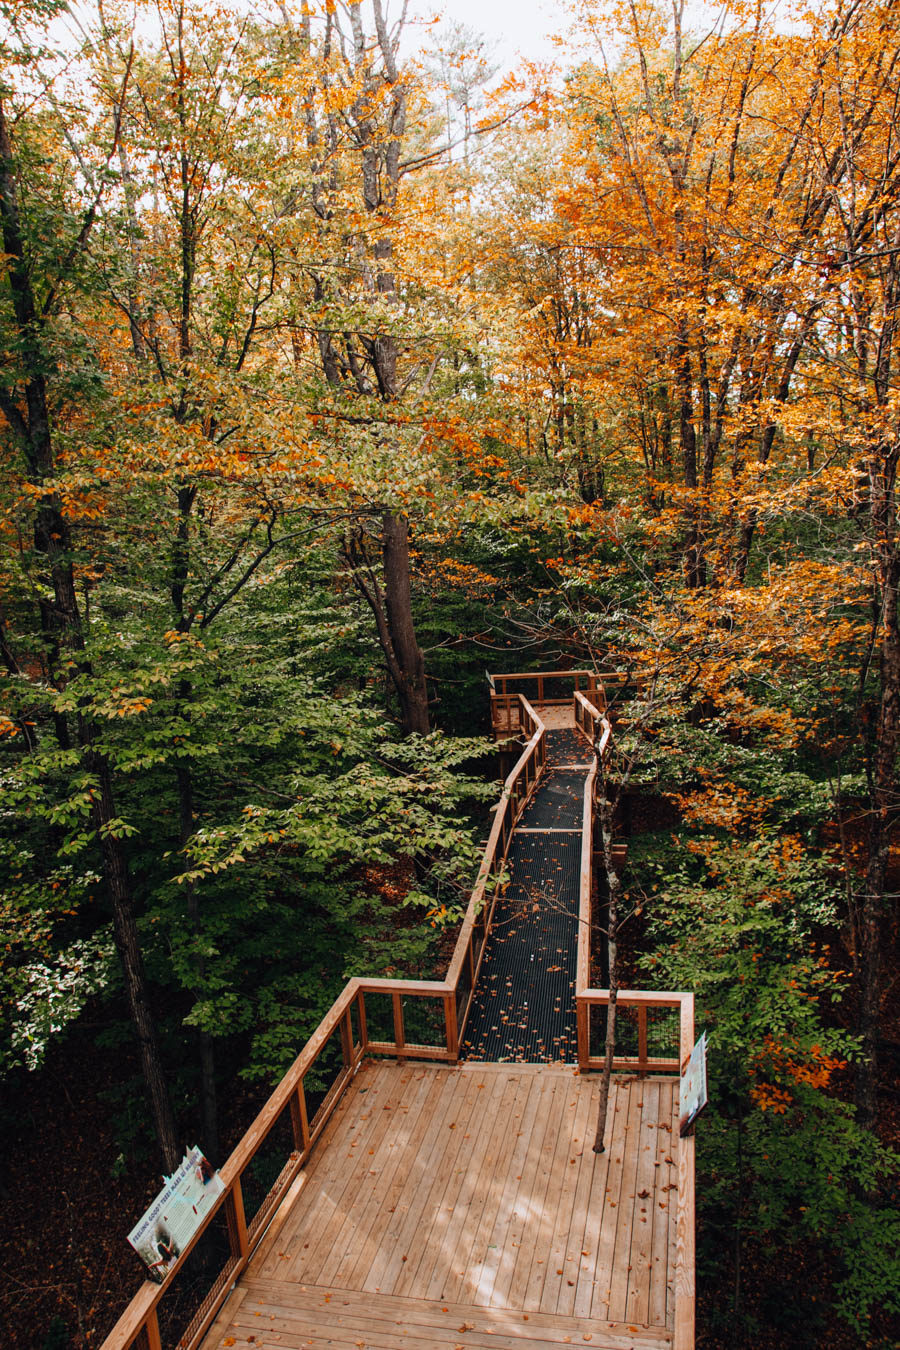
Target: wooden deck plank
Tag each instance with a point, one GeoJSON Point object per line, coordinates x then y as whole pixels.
{"type": "Point", "coordinates": [666, 1186]}
{"type": "Point", "coordinates": [498, 1104]}
{"type": "Point", "coordinates": [391, 1320]}
{"type": "Point", "coordinates": [600, 1233]}
{"type": "Point", "coordinates": [492, 1234]}
{"type": "Point", "coordinates": [356, 1245]}
{"type": "Point", "coordinates": [503, 1136]}
{"type": "Point", "coordinates": [543, 1201]}
{"type": "Point", "coordinates": [394, 1180]}
{"type": "Point", "coordinates": [587, 1212]}
{"type": "Point", "coordinates": [675, 1154]}
{"type": "Point", "coordinates": [326, 1173]}
{"type": "Point", "coordinates": [415, 1174]}
{"type": "Point", "coordinates": [336, 1183]}
{"type": "Point", "coordinates": [525, 1213]}
{"type": "Point", "coordinates": [637, 1300]}
{"type": "Point", "coordinates": [422, 1222]}
{"type": "Point", "coordinates": [509, 1146]}
{"type": "Point", "coordinates": [617, 1292]}
{"type": "Point", "coordinates": [556, 1266]}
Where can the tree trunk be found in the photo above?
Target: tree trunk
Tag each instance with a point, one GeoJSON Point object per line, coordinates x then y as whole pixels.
{"type": "Point", "coordinates": [883, 792]}
{"type": "Point", "coordinates": [614, 888]}
{"type": "Point", "coordinates": [52, 540]}
{"type": "Point", "coordinates": [115, 866]}
{"type": "Point", "coordinates": [209, 1122]}
{"type": "Point", "coordinates": [411, 687]}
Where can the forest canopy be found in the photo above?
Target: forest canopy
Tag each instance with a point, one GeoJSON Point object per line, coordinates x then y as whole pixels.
{"type": "Point", "coordinates": [337, 365]}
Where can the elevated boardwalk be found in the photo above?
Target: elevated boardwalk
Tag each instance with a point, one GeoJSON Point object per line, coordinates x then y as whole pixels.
{"type": "Point", "coordinates": [448, 1196]}
{"type": "Point", "coordinates": [523, 1006]}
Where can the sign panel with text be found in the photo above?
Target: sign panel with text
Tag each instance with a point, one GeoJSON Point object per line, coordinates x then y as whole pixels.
{"type": "Point", "coordinates": [694, 1095]}
{"type": "Point", "coordinates": [161, 1235]}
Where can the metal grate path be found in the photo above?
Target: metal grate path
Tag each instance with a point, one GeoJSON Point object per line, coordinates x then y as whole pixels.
{"type": "Point", "coordinates": [523, 1007]}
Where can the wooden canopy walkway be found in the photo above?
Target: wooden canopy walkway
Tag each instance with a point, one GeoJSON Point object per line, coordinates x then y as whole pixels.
{"type": "Point", "coordinates": [423, 1175]}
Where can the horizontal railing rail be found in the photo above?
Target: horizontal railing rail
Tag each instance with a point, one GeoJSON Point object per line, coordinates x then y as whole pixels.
{"type": "Point", "coordinates": [547, 686]}
{"type": "Point", "coordinates": [369, 1017]}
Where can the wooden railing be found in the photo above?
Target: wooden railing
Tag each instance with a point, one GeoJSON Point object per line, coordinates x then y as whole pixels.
{"type": "Point", "coordinates": [353, 1027]}
{"type": "Point", "coordinates": [544, 688]}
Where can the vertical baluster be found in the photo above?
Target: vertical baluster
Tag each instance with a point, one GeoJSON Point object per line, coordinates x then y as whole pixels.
{"type": "Point", "coordinates": [582, 1014]}
{"type": "Point", "coordinates": [399, 1034]}
{"type": "Point", "coordinates": [451, 1026]}
{"type": "Point", "coordinates": [299, 1119]}
{"type": "Point", "coordinates": [642, 1038]}
{"type": "Point", "coordinates": [363, 1029]}
{"type": "Point", "coordinates": [151, 1330]}
{"type": "Point", "coordinates": [346, 1040]}
{"type": "Point", "coordinates": [237, 1222]}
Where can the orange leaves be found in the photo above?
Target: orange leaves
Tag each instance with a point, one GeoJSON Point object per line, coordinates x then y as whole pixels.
{"type": "Point", "coordinates": [784, 1059]}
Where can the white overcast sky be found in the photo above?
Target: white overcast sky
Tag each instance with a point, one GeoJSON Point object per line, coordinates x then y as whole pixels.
{"type": "Point", "coordinates": [518, 27]}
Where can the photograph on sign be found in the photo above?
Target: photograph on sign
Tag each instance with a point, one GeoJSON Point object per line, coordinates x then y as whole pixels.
{"type": "Point", "coordinates": [694, 1095]}
{"type": "Point", "coordinates": [164, 1231]}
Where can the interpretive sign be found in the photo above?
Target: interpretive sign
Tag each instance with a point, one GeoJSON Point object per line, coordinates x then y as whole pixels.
{"type": "Point", "coordinates": [693, 1087]}
{"type": "Point", "coordinates": [175, 1215]}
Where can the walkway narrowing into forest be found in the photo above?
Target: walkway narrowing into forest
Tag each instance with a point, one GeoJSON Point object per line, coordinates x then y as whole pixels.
{"type": "Point", "coordinates": [523, 1006]}
{"type": "Point", "coordinates": [458, 1203]}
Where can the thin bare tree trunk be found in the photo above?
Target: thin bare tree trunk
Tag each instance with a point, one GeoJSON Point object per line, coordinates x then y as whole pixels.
{"type": "Point", "coordinates": [613, 889]}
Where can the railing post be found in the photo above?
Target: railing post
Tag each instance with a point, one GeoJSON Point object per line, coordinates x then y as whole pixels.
{"type": "Point", "coordinates": [582, 1019]}
{"type": "Point", "coordinates": [451, 1026]}
{"type": "Point", "coordinates": [299, 1119]}
{"type": "Point", "coordinates": [540, 689]}
{"type": "Point", "coordinates": [151, 1329]}
{"type": "Point", "coordinates": [347, 1040]}
{"type": "Point", "coordinates": [642, 1038]}
{"type": "Point", "coordinates": [237, 1222]}
{"type": "Point", "coordinates": [363, 1029]}
{"type": "Point", "coordinates": [399, 1034]}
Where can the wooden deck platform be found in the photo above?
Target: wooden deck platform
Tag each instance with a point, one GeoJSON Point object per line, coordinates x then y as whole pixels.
{"type": "Point", "coordinates": [464, 1207]}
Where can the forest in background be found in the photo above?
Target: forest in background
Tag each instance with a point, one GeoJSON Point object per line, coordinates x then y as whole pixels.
{"type": "Point", "coordinates": [332, 372]}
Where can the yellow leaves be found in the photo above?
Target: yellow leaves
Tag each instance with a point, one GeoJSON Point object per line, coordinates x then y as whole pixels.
{"type": "Point", "coordinates": [129, 707]}
{"type": "Point", "coordinates": [787, 1058]}
{"type": "Point", "coordinates": [770, 1098]}
{"type": "Point", "coordinates": [723, 806]}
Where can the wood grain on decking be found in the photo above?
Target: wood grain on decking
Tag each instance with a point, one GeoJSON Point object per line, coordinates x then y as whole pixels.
{"type": "Point", "coordinates": [440, 1198]}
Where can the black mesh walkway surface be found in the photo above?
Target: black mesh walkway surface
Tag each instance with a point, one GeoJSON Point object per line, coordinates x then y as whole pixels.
{"type": "Point", "coordinates": [523, 1007]}
{"type": "Point", "coordinates": [558, 803]}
